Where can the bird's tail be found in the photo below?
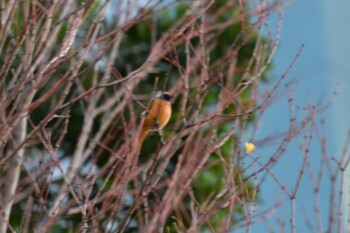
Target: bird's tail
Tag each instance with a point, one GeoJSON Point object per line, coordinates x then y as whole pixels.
{"type": "Point", "coordinates": [142, 136]}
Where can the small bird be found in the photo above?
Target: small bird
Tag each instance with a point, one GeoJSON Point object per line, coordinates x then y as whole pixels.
{"type": "Point", "coordinates": [157, 117]}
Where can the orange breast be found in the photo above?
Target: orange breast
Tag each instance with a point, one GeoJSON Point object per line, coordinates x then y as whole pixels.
{"type": "Point", "coordinates": [158, 116]}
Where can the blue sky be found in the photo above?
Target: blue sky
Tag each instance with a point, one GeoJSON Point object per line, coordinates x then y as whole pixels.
{"type": "Point", "coordinates": [323, 26]}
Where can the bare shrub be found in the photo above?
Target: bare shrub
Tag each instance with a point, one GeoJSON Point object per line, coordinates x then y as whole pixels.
{"type": "Point", "coordinates": [74, 81]}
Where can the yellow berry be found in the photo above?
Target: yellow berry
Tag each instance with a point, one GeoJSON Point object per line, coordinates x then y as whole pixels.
{"type": "Point", "coordinates": [249, 147]}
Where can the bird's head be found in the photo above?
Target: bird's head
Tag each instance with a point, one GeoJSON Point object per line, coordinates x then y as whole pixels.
{"type": "Point", "coordinates": [164, 95]}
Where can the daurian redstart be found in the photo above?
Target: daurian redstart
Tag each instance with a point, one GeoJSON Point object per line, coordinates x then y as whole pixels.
{"type": "Point", "coordinates": [157, 117]}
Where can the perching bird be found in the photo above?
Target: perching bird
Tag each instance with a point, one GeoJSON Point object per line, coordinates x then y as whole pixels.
{"type": "Point", "coordinates": [157, 117]}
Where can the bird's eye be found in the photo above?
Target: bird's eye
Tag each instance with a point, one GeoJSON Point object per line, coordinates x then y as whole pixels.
{"type": "Point", "coordinates": [166, 96]}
